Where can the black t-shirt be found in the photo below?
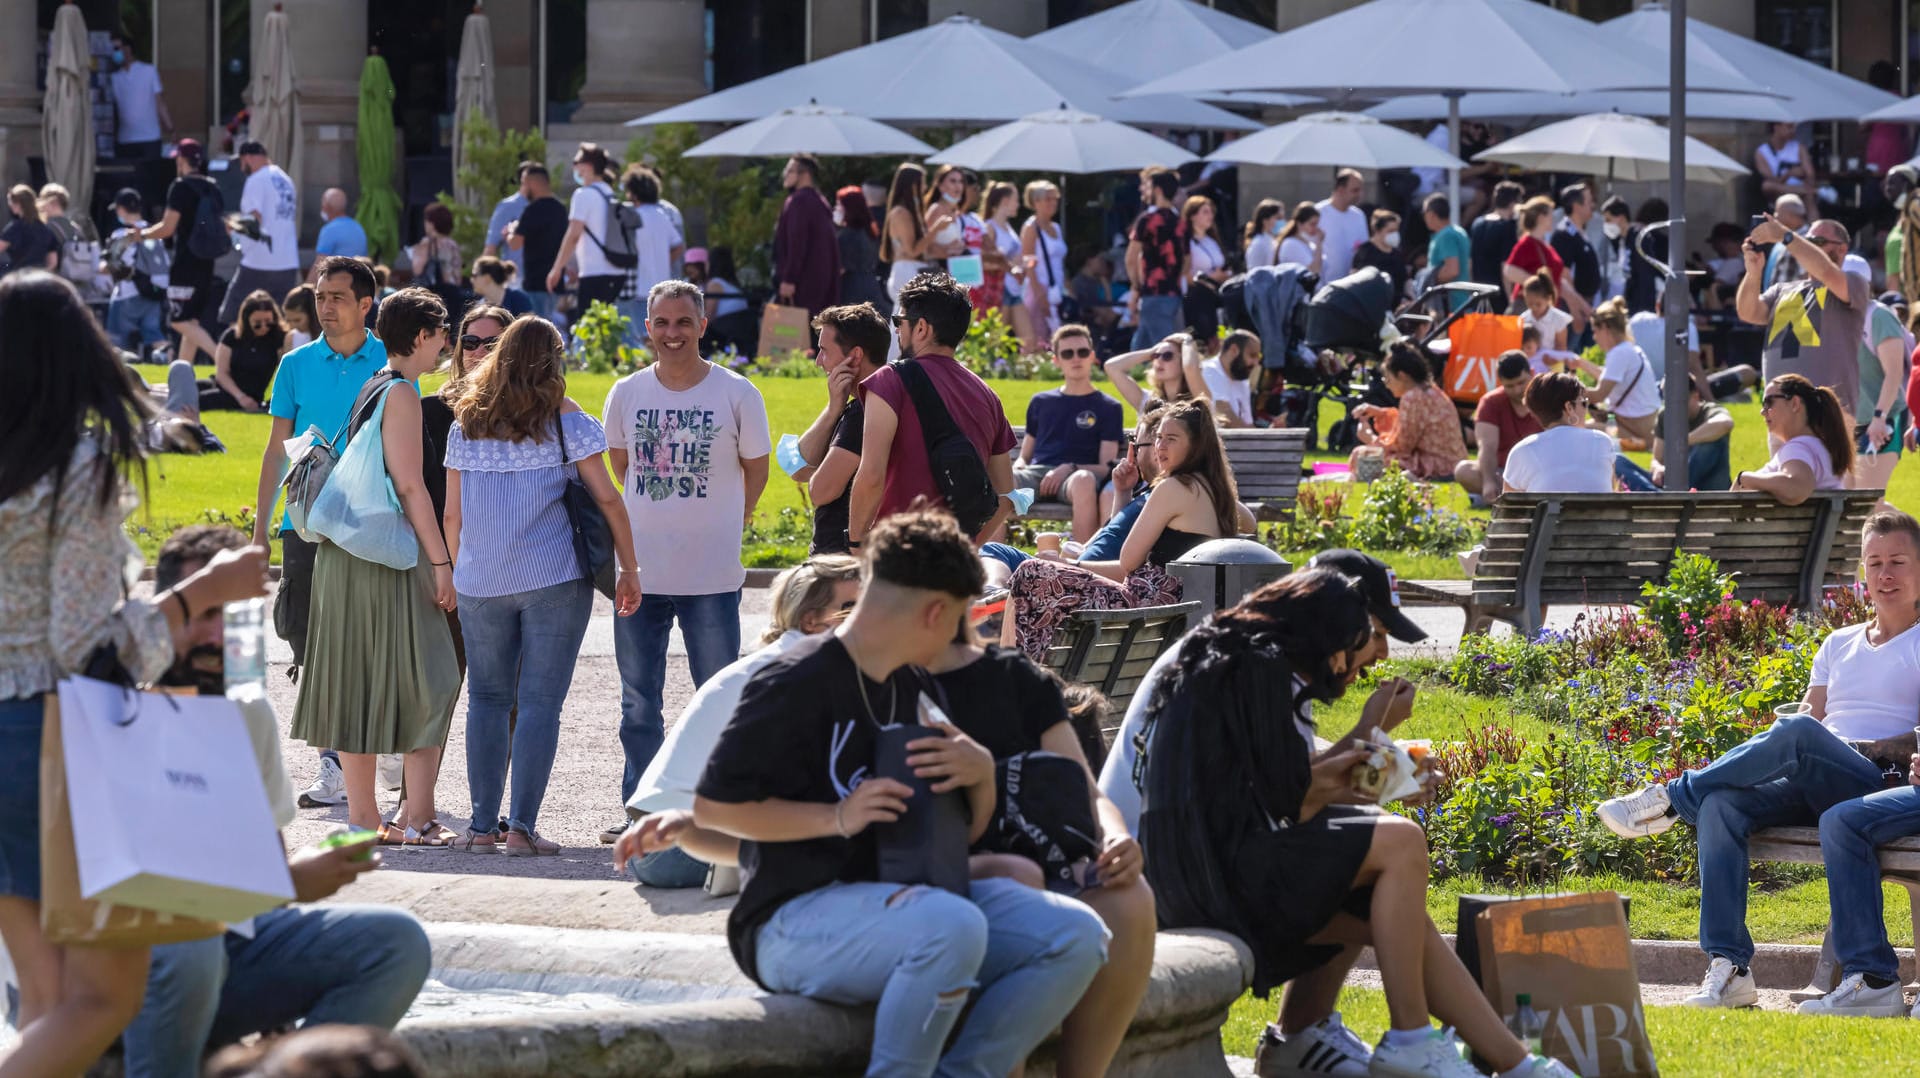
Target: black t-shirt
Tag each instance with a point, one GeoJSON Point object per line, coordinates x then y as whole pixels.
{"type": "Point", "coordinates": [184, 196]}
{"type": "Point", "coordinates": [436, 421]}
{"type": "Point", "coordinates": [830, 518]}
{"type": "Point", "coordinates": [1387, 262]}
{"type": "Point", "coordinates": [1003, 701]}
{"type": "Point", "coordinates": [1491, 240]}
{"type": "Point", "coordinates": [802, 732]}
{"type": "Point", "coordinates": [543, 224]}
{"type": "Point", "coordinates": [28, 244]}
{"type": "Point", "coordinates": [1572, 247]}
{"type": "Point", "coordinates": [253, 361]}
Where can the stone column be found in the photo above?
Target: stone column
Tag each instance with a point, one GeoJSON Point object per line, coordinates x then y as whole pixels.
{"type": "Point", "coordinates": [19, 100]}
{"type": "Point", "coordinates": [642, 55]}
{"type": "Point", "coordinates": [184, 58]}
{"type": "Point", "coordinates": [330, 46]}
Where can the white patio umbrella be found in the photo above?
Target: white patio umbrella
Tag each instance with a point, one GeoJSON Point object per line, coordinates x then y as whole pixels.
{"type": "Point", "coordinates": [1523, 106]}
{"type": "Point", "coordinates": [1334, 139]}
{"type": "Point", "coordinates": [472, 94]}
{"type": "Point", "coordinates": [66, 116]}
{"type": "Point", "coordinates": [1621, 147]}
{"type": "Point", "coordinates": [955, 71]}
{"type": "Point", "coordinates": [812, 129]}
{"type": "Point", "coordinates": [1183, 33]}
{"type": "Point", "coordinates": [1061, 140]}
{"type": "Point", "coordinates": [1396, 48]}
{"type": "Point", "coordinates": [273, 116]}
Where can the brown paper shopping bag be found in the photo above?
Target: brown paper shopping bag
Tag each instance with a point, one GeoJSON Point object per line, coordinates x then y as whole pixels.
{"type": "Point", "coordinates": [784, 330]}
{"type": "Point", "coordinates": [1571, 953]}
{"type": "Point", "coordinates": [67, 919]}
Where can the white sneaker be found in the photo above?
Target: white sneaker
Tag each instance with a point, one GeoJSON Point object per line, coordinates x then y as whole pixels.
{"type": "Point", "coordinates": [1723, 987]}
{"type": "Point", "coordinates": [1434, 1056]}
{"type": "Point", "coordinates": [1638, 815]}
{"type": "Point", "coordinates": [1326, 1048]}
{"type": "Point", "coordinates": [392, 764]}
{"type": "Point", "coordinates": [330, 788]}
{"type": "Point", "coordinates": [1544, 1067]}
{"type": "Point", "coordinates": [1856, 996]}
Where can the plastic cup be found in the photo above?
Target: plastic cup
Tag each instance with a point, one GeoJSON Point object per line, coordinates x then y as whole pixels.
{"type": "Point", "coordinates": [1788, 711]}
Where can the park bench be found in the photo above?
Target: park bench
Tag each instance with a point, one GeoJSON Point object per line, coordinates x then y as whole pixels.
{"type": "Point", "coordinates": [1266, 469]}
{"type": "Point", "coordinates": [1899, 863]}
{"type": "Point", "coordinates": [1112, 650]}
{"type": "Point", "coordinates": [1598, 549]}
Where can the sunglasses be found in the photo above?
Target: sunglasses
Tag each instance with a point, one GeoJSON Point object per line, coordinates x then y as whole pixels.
{"type": "Point", "coordinates": [261, 326]}
{"type": "Point", "coordinates": [1167, 353]}
{"type": "Point", "coordinates": [471, 343]}
{"type": "Point", "coordinates": [901, 320]}
{"type": "Point", "coordinates": [1074, 353]}
{"type": "Point", "coordinates": [1768, 401]}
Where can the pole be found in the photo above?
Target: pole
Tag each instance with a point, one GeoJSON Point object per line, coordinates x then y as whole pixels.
{"type": "Point", "coordinates": [1453, 147]}
{"type": "Point", "coordinates": [1674, 417]}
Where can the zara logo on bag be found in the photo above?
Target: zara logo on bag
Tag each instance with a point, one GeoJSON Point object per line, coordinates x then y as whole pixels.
{"type": "Point", "coordinates": [190, 780]}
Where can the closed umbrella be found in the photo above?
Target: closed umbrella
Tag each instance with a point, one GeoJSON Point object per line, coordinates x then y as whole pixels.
{"type": "Point", "coordinates": [473, 96]}
{"type": "Point", "coordinates": [955, 71]}
{"type": "Point", "coordinates": [817, 129]}
{"type": "Point", "coordinates": [1334, 139]}
{"type": "Point", "coordinates": [66, 117]}
{"type": "Point", "coordinates": [1183, 33]}
{"type": "Point", "coordinates": [379, 208]}
{"type": "Point", "coordinates": [1061, 140]}
{"type": "Point", "coordinates": [273, 114]}
{"type": "Point", "coordinates": [1621, 147]}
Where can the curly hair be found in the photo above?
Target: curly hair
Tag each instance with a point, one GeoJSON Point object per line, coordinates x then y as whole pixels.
{"type": "Point", "coordinates": [516, 395]}
{"type": "Point", "coordinates": [923, 549]}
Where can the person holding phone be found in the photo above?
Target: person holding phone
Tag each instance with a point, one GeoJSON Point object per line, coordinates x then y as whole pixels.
{"type": "Point", "coordinates": [790, 793]}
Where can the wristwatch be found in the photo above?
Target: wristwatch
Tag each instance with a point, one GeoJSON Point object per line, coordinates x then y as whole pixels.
{"type": "Point", "coordinates": [1879, 413]}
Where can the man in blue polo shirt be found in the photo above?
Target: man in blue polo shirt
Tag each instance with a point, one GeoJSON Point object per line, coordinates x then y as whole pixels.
{"type": "Point", "coordinates": [315, 387]}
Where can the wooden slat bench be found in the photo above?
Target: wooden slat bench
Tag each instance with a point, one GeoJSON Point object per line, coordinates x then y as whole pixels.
{"type": "Point", "coordinates": [1266, 468]}
{"type": "Point", "coordinates": [1597, 549]}
{"type": "Point", "coordinates": [1112, 650]}
{"type": "Point", "coordinates": [1899, 863]}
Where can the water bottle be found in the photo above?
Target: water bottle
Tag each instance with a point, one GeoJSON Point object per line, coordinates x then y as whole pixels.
{"type": "Point", "coordinates": [1526, 1024]}
{"type": "Point", "coordinates": [246, 644]}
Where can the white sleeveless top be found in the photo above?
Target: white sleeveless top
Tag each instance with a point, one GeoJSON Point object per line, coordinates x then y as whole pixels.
{"type": "Point", "coordinates": [1782, 159]}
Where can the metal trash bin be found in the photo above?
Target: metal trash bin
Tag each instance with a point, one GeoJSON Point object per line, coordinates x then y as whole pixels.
{"type": "Point", "coordinates": [1219, 573]}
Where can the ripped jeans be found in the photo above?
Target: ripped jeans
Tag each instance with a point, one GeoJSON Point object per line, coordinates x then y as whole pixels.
{"type": "Point", "coordinates": [1026, 955]}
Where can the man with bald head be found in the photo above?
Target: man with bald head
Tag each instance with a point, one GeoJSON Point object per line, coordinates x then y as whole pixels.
{"type": "Point", "coordinates": [339, 234]}
{"type": "Point", "coordinates": [1814, 326]}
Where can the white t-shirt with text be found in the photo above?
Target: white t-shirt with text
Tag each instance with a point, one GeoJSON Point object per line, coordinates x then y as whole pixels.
{"type": "Point", "coordinates": [592, 206]}
{"type": "Point", "coordinates": [1872, 692]}
{"type": "Point", "coordinates": [685, 491]}
{"type": "Point", "coordinates": [1563, 460]}
{"type": "Point", "coordinates": [270, 193]}
{"type": "Point", "coordinates": [1236, 394]}
{"type": "Point", "coordinates": [1341, 232]}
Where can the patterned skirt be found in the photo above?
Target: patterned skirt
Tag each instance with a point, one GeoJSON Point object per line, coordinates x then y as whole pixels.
{"type": "Point", "coordinates": [1046, 593]}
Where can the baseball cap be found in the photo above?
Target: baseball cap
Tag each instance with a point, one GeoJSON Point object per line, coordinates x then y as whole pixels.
{"type": "Point", "coordinates": [253, 148]}
{"type": "Point", "coordinates": [695, 254]}
{"type": "Point", "coordinates": [191, 149]}
{"type": "Point", "coordinates": [1893, 299]}
{"type": "Point", "coordinates": [129, 199]}
{"type": "Point", "coordinates": [1378, 584]}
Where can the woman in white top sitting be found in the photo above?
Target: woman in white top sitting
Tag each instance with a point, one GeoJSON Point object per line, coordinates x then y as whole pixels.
{"type": "Point", "coordinates": [1261, 242]}
{"type": "Point", "coordinates": [1566, 457]}
{"type": "Point", "coordinates": [1815, 438]}
{"type": "Point", "coordinates": [1781, 165]}
{"type": "Point", "coordinates": [1301, 242]}
{"type": "Point", "coordinates": [1629, 386]}
{"type": "Point", "coordinates": [1206, 270]}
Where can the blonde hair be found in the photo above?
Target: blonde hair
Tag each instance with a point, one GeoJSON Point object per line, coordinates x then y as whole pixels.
{"type": "Point", "coordinates": [24, 203]}
{"type": "Point", "coordinates": [1037, 190]}
{"type": "Point", "coordinates": [517, 394]}
{"type": "Point", "coordinates": [53, 192]}
{"type": "Point", "coordinates": [1612, 317]}
{"type": "Point", "coordinates": [806, 588]}
{"type": "Point", "coordinates": [1532, 209]}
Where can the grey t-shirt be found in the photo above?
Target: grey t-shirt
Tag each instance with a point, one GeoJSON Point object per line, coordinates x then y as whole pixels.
{"type": "Point", "coordinates": [1812, 334]}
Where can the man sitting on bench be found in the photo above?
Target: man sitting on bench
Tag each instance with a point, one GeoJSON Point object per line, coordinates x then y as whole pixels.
{"type": "Point", "coordinates": [1863, 689]}
{"type": "Point", "coordinates": [1073, 434]}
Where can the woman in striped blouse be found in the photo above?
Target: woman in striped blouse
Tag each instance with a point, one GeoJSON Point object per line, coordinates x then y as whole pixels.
{"type": "Point", "coordinates": [524, 603]}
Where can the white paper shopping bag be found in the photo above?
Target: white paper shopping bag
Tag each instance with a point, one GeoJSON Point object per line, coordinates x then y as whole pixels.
{"type": "Point", "coordinates": [169, 811]}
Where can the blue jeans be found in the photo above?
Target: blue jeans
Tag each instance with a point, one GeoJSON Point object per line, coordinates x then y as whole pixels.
{"type": "Point", "coordinates": [672, 868]}
{"type": "Point", "coordinates": [1708, 468]}
{"type": "Point", "coordinates": [710, 624]}
{"type": "Point", "coordinates": [135, 314]}
{"type": "Point", "coordinates": [1009, 556]}
{"type": "Point", "coordinates": [21, 721]}
{"type": "Point", "coordinates": [520, 652]}
{"type": "Point", "coordinates": [1849, 831]}
{"type": "Point", "coordinates": [1160, 318]}
{"type": "Point", "coordinates": [352, 965]}
{"type": "Point", "coordinates": [1784, 776]}
{"type": "Point", "coordinates": [1026, 954]}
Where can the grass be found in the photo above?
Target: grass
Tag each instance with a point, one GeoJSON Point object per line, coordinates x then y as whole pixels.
{"type": "Point", "coordinates": [1687, 1043]}
{"type": "Point", "coordinates": [1440, 714]}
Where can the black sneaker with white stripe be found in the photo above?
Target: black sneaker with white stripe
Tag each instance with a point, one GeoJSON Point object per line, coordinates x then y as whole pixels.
{"type": "Point", "coordinates": [1326, 1048]}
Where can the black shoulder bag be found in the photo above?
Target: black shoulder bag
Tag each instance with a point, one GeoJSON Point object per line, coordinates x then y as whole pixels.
{"type": "Point", "coordinates": [592, 537]}
{"type": "Point", "coordinates": [957, 467]}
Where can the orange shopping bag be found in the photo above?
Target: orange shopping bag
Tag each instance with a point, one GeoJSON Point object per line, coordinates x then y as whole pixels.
{"type": "Point", "coordinates": [1475, 343]}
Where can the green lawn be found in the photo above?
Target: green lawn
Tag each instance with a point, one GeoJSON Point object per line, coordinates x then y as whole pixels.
{"type": "Point", "coordinates": [1687, 1043]}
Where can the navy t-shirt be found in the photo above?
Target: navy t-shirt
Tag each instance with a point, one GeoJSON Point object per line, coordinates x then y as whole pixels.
{"type": "Point", "coordinates": [1069, 430]}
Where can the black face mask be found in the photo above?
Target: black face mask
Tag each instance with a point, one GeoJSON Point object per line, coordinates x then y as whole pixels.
{"type": "Point", "coordinates": [203, 670]}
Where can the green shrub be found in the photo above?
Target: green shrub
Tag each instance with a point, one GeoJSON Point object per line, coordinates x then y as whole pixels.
{"type": "Point", "coordinates": [492, 162]}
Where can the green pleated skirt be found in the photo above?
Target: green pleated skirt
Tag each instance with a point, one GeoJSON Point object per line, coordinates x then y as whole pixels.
{"type": "Point", "coordinates": [381, 674]}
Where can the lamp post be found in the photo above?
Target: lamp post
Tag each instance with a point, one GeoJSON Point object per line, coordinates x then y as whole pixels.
{"type": "Point", "coordinates": [1673, 423]}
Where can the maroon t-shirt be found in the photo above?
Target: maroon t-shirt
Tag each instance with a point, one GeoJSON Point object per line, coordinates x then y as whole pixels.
{"type": "Point", "coordinates": [1514, 423]}
{"type": "Point", "coordinates": [975, 409]}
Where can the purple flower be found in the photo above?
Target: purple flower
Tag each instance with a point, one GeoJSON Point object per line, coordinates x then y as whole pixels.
{"type": "Point", "coordinates": [1503, 820]}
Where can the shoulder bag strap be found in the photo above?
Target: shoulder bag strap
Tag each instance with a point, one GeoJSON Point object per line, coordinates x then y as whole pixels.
{"type": "Point", "coordinates": [936, 422]}
{"type": "Point", "coordinates": [1046, 260]}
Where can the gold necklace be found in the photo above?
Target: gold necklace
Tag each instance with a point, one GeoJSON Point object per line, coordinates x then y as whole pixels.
{"type": "Point", "coordinates": [860, 682]}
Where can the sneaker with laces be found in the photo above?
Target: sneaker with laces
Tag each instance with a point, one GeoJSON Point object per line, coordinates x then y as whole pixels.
{"type": "Point", "coordinates": [330, 788]}
{"type": "Point", "coordinates": [392, 766]}
{"type": "Point", "coordinates": [1544, 1067]}
{"type": "Point", "coordinates": [1327, 1047]}
{"type": "Point", "coordinates": [1856, 996]}
{"type": "Point", "coordinates": [1724, 986]}
{"type": "Point", "coordinates": [1436, 1055]}
{"type": "Point", "coordinates": [1638, 815]}
{"type": "Point", "coordinates": [612, 834]}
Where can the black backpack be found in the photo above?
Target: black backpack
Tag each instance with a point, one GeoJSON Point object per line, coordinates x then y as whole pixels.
{"type": "Point", "coordinates": [622, 245]}
{"type": "Point", "coordinates": [956, 465]}
{"type": "Point", "coordinates": [207, 236]}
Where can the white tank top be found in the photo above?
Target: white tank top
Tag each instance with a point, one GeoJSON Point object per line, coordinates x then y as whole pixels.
{"type": "Point", "coordinates": [1782, 159]}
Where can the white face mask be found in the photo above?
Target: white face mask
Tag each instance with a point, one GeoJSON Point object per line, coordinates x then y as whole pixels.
{"type": "Point", "coordinates": [1612, 230]}
{"type": "Point", "coordinates": [1393, 239]}
{"type": "Point", "coordinates": [945, 197]}
{"type": "Point", "coordinates": [1276, 226]}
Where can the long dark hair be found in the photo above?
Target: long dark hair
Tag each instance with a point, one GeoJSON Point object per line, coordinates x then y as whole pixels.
{"type": "Point", "coordinates": [1206, 462]}
{"type": "Point", "coordinates": [1826, 418]}
{"type": "Point", "coordinates": [1304, 212]}
{"type": "Point", "coordinates": [1265, 211]}
{"type": "Point", "coordinates": [854, 212]}
{"type": "Point", "coordinates": [65, 381]}
{"type": "Point", "coordinates": [258, 300]}
{"type": "Point", "coordinates": [909, 182]}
